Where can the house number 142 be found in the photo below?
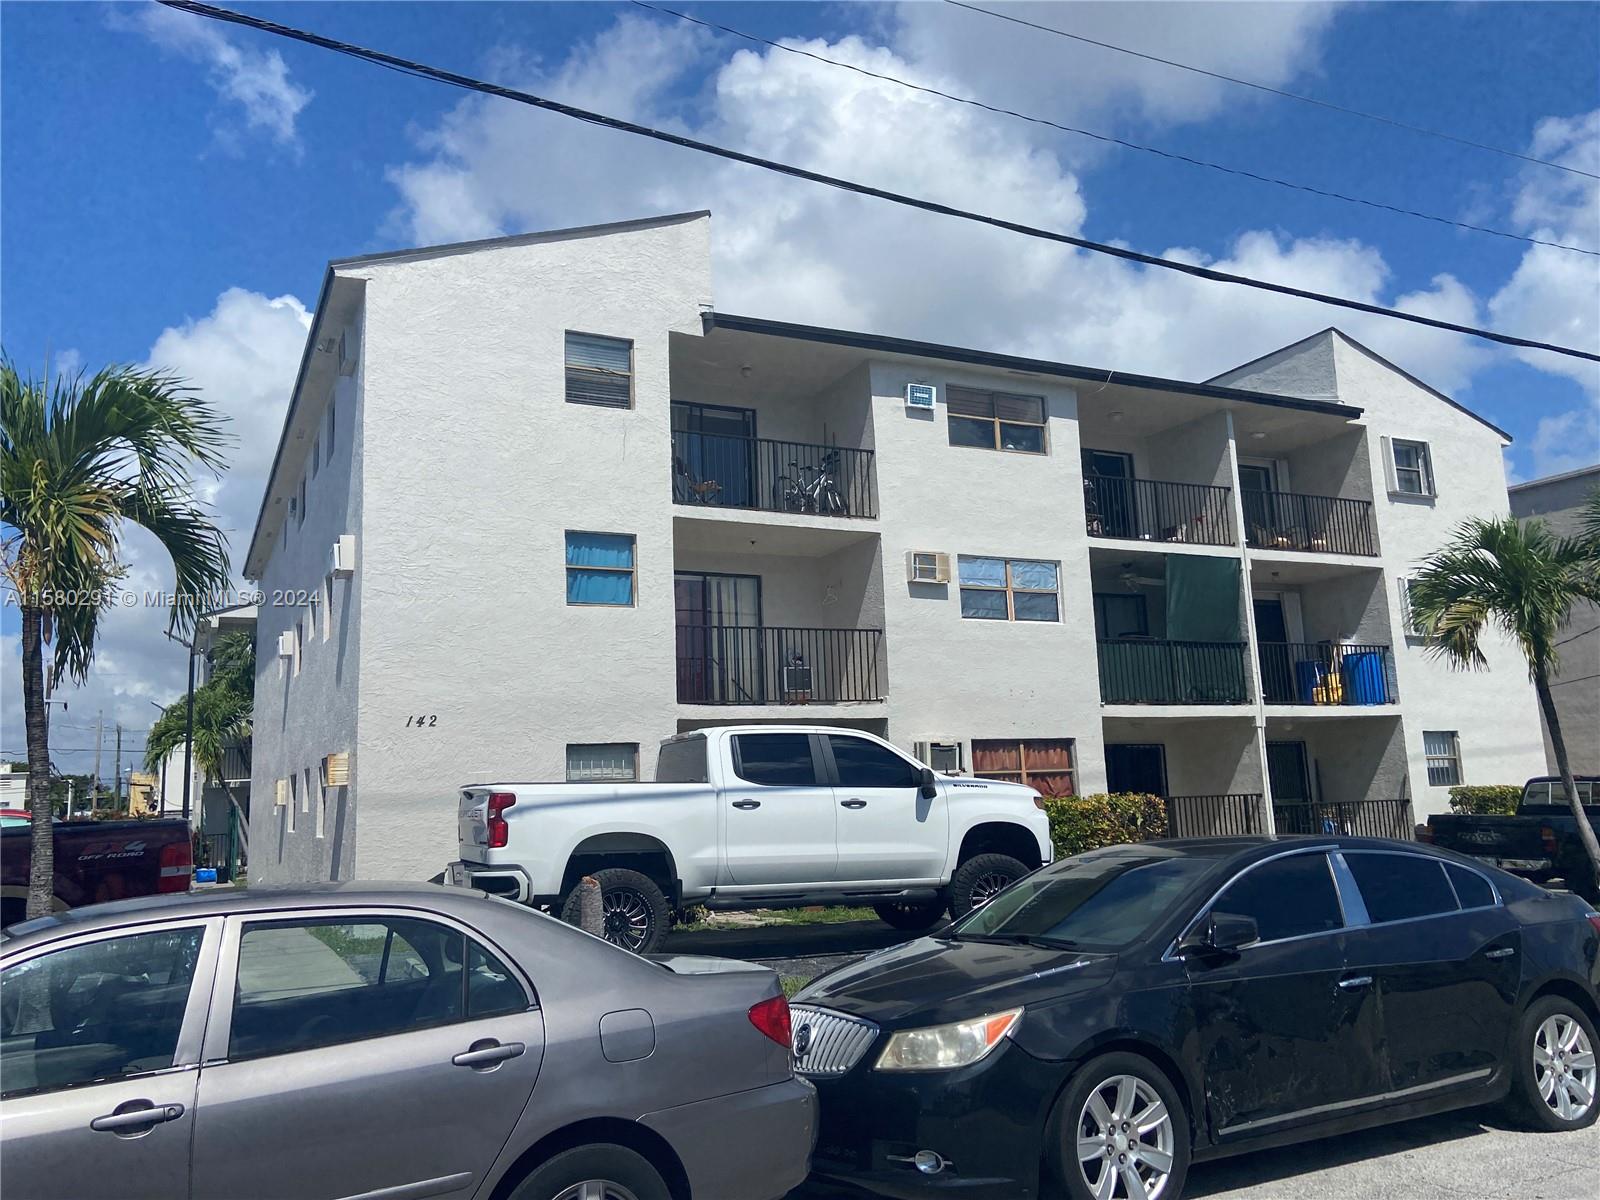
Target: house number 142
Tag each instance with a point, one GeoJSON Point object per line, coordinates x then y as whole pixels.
{"type": "Point", "coordinates": [427, 722]}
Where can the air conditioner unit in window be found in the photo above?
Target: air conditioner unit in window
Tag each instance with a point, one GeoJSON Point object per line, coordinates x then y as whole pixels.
{"type": "Point", "coordinates": [927, 566]}
{"type": "Point", "coordinates": [944, 757]}
{"type": "Point", "coordinates": [349, 348]}
{"type": "Point", "coordinates": [920, 395]}
{"type": "Point", "coordinates": [342, 561]}
{"type": "Point", "coordinates": [336, 769]}
{"type": "Point", "coordinates": [286, 644]}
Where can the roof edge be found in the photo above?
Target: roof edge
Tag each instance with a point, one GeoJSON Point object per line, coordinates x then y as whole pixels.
{"type": "Point", "coordinates": [712, 319]}
{"type": "Point", "coordinates": [1559, 477]}
{"type": "Point", "coordinates": [519, 239]}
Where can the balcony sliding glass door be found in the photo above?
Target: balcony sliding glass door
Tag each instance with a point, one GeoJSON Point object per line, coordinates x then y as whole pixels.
{"type": "Point", "coordinates": [718, 662]}
{"type": "Point", "coordinates": [717, 450]}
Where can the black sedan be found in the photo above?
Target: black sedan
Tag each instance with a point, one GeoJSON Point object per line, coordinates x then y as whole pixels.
{"type": "Point", "coordinates": [1114, 1017]}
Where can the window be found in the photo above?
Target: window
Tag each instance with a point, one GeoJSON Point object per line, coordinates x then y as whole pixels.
{"type": "Point", "coordinates": [304, 984]}
{"type": "Point", "coordinates": [600, 568]}
{"type": "Point", "coordinates": [300, 505]}
{"type": "Point", "coordinates": [1408, 615]}
{"type": "Point", "coordinates": [1005, 589]}
{"type": "Point", "coordinates": [311, 620]}
{"type": "Point", "coordinates": [305, 793]}
{"type": "Point", "coordinates": [865, 764]}
{"type": "Point", "coordinates": [1413, 468]}
{"type": "Point", "coordinates": [294, 798]}
{"type": "Point", "coordinates": [322, 799]}
{"type": "Point", "coordinates": [600, 762]}
{"type": "Point", "coordinates": [1554, 792]}
{"type": "Point", "coordinates": [1044, 764]}
{"type": "Point", "coordinates": [316, 456]}
{"type": "Point", "coordinates": [327, 606]}
{"type": "Point", "coordinates": [97, 1012]}
{"type": "Point", "coordinates": [682, 760]}
{"type": "Point", "coordinates": [1120, 615]}
{"type": "Point", "coordinates": [332, 401]}
{"type": "Point", "coordinates": [775, 759]}
{"type": "Point", "coordinates": [299, 644]}
{"type": "Point", "coordinates": [1288, 897]}
{"type": "Point", "coordinates": [1397, 887]}
{"type": "Point", "coordinates": [1472, 889]}
{"type": "Point", "coordinates": [995, 420]}
{"type": "Point", "coordinates": [1443, 752]}
{"type": "Point", "coordinates": [599, 370]}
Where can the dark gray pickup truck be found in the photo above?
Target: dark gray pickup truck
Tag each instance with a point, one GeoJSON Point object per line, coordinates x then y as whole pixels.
{"type": "Point", "coordinates": [1540, 843]}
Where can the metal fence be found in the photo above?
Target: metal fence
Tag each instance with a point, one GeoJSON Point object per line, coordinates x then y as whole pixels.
{"type": "Point", "coordinates": [1326, 673]}
{"type": "Point", "coordinates": [1323, 524]}
{"type": "Point", "coordinates": [1225, 815]}
{"type": "Point", "coordinates": [1151, 510]}
{"type": "Point", "coordinates": [1147, 671]}
{"type": "Point", "coordinates": [801, 477]}
{"type": "Point", "coordinates": [1358, 818]}
{"type": "Point", "coordinates": [215, 850]}
{"type": "Point", "coordinates": [761, 664]}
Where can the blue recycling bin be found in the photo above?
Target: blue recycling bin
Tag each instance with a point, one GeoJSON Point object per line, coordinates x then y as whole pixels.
{"type": "Point", "coordinates": [1308, 677]}
{"type": "Point", "coordinates": [1364, 679]}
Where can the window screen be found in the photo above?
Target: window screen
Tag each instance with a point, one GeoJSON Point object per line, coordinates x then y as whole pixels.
{"type": "Point", "coordinates": [1443, 751]}
{"type": "Point", "coordinates": [776, 759]}
{"type": "Point", "coordinates": [1288, 897]}
{"type": "Point", "coordinates": [1396, 887]}
{"type": "Point", "coordinates": [599, 370]}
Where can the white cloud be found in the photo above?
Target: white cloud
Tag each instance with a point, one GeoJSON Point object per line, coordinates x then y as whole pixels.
{"type": "Point", "coordinates": [242, 356]}
{"type": "Point", "coordinates": [256, 81]}
{"type": "Point", "coordinates": [1566, 442]}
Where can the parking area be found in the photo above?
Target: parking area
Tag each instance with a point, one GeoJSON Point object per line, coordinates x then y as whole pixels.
{"type": "Point", "coordinates": [1458, 1156]}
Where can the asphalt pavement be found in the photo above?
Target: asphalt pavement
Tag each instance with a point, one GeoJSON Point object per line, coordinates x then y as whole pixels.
{"type": "Point", "coordinates": [1471, 1155]}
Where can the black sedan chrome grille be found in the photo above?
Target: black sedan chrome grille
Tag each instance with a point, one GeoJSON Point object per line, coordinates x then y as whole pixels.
{"type": "Point", "coordinates": [828, 1043]}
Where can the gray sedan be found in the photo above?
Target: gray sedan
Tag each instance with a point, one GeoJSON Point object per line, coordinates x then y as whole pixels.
{"type": "Point", "coordinates": [384, 1041]}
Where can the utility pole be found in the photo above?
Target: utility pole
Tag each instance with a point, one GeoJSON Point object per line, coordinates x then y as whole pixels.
{"type": "Point", "coordinates": [116, 787]}
{"type": "Point", "coordinates": [99, 729]}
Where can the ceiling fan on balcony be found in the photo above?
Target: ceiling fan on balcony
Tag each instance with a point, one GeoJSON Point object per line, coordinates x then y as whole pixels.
{"type": "Point", "coordinates": [1133, 581]}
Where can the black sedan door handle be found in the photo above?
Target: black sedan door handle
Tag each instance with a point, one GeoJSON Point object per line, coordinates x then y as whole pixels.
{"type": "Point", "coordinates": [1500, 952]}
{"type": "Point", "coordinates": [747, 804]}
{"type": "Point", "coordinates": [852, 804]}
{"type": "Point", "coordinates": [1355, 983]}
{"type": "Point", "coordinates": [487, 1053]}
{"type": "Point", "coordinates": [136, 1114]}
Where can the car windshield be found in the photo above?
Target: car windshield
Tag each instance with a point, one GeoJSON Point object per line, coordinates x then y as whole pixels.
{"type": "Point", "coordinates": [1099, 902]}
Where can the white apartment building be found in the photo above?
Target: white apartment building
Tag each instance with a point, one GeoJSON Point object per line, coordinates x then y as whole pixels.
{"type": "Point", "coordinates": [538, 504]}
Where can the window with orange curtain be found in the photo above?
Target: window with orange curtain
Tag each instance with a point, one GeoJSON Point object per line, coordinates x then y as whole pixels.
{"type": "Point", "coordinates": [1044, 764]}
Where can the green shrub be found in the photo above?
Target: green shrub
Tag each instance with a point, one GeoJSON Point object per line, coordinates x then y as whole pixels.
{"type": "Point", "coordinates": [1488, 800]}
{"type": "Point", "coordinates": [1079, 823]}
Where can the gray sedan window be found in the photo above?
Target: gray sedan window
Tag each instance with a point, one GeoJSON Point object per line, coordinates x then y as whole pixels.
{"type": "Point", "coordinates": [99, 1011]}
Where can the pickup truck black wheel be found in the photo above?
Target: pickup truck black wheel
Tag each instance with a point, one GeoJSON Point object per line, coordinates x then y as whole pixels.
{"type": "Point", "coordinates": [635, 914]}
{"type": "Point", "coordinates": [1553, 1073]}
{"type": "Point", "coordinates": [912, 916]}
{"type": "Point", "coordinates": [599, 1172]}
{"type": "Point", "coordinates": [982, 877]}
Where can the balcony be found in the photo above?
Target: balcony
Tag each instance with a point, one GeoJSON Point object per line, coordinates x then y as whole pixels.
{"type": "Point", "coordinates": [1232, 814]}
{"type": "Point", "coordinates": [1350, 818]}
{"type": "Point", "coordinates": [1147, 671]}
{"type": "Point", "coordinates": [723, 471]}
{"type": "Point", "coordinates": [1150, 510]}
{"type": "Point", "coordinates": [763, 664]}
{"type": "Point", "coordinates": [1316, 524]}
{"type": "Point", "coordinates": [1327, 673]}
{"type": "Point", "coordinates": [236, 761]}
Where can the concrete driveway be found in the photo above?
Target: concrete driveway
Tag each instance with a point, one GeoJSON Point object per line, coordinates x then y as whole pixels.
{"type": "Point", "coordinates": [1459, 1156]}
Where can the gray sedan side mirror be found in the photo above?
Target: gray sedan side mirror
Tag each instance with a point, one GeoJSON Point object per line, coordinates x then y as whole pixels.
{"type": "Point", "coordinates": [927, 787]}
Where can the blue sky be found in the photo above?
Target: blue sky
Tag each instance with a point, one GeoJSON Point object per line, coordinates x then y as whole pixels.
{"type": "Point", "coordinates": [173, 188]}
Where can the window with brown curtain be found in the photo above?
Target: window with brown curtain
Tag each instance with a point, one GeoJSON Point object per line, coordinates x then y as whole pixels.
{"type": "Point", "coordinates": [995, 420]}
{"type": "Point", "coordinates": [1044, 764]}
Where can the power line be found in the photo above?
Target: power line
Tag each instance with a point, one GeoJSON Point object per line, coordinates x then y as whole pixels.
{"type": "Point", "coordinates": [1173, 155]}
{"type": "Point", "coordinates": [1262, 87]}
{"type": "Point", "coordinates": [466, 82]}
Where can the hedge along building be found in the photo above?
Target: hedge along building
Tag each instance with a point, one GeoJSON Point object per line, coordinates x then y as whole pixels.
{"type": "Point", "coordinates": [538, 504]}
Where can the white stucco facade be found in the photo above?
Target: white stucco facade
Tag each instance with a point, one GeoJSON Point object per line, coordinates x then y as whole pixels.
{"type": "Point", "coordinates": [456, 466]}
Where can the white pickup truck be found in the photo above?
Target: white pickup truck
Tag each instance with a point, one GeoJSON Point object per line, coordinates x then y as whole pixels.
{"type": "Point", "coordinates": [758, 816]}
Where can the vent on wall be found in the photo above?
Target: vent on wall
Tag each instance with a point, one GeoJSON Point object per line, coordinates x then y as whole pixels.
{"type": "Point", "coordinates": [927, 566]}
{"type": "Point", "coordinates": [336, 769]}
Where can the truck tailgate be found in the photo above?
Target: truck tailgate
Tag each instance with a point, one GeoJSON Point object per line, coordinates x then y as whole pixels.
{"type": "Point", "coordinates": [1514, 842]}
{"type": "Point", "coordinates": [472, 826]}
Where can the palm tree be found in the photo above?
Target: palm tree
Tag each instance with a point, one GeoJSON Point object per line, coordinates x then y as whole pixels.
{"type": "Point", "coordinates": [79, 459]}
{"type": "Point", "coordinates": [222, 711]}
{"type": "Point", "coordinates": [1523, 580]}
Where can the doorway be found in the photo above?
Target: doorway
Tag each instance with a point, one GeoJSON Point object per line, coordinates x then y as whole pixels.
{"type": "Point", "coordinates": [714, 454]}
{"type": "Point", "coordinates": [1140, 769]}
{"type": "Point", "coordinates": [720, 659]}
{"type": "Point", "coordinates": [1289, 775]}
{"type": "Point", "coordinates": [1273, 651]}
{"type": "Point", "coordinates": [1108, 494]}
{"type": "Point", "coordinates": [1257, 496]}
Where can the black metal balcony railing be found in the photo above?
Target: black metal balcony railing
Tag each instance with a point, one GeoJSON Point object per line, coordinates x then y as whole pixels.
{"type": "Point", "coordinates": [1227, 815]}
{"type": "Point", "coordinates": [1353, 818]}
{"type": "Point", "coordinates": [1324, 524]}
{"type": "Point", "coordinates": [761, 664]}
{"type": "Point", "coordinates": [1137, 671]}
{"type": "Point", "coordinates": [1153, 511]}
{"type": "Point", "coordinates": [798, 477]}
{"type": "Point", "coordinates": [1326, 673]}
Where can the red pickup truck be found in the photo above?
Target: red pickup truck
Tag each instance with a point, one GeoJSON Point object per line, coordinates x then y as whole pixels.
{"type": "Point", "coordinates": [98, 861]}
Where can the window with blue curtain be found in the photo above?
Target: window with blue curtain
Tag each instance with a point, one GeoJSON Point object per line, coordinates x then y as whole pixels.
{"type": "Point", "coordinates": [600, 568]}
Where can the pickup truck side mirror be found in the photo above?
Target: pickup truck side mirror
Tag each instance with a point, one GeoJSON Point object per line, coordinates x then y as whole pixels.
{"type": "Point", "coordinates": [1222, 933]}
{"type": "Point", "coordinates": [927, 788]}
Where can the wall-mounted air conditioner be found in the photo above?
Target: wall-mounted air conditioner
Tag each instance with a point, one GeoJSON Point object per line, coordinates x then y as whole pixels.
{"type": "Point", "coordinates": [927, 566]}
{"type": "Point", "coordinates": [286, 644]}
{"type": "Point", "coordinates": [944, 757]}
{"type": "Point", "coordinates": [921, 395]}
{"type": "Point", "coordinates": [342, 561]}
